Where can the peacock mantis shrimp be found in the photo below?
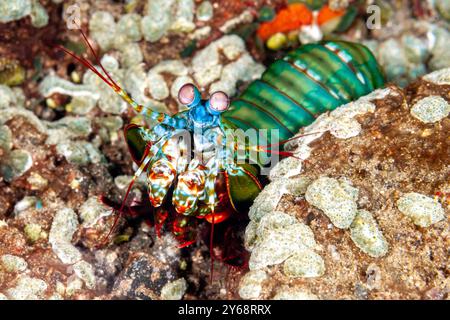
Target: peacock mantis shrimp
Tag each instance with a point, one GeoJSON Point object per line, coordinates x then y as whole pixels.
{"type": "Point", "coordinates": [196, 162]}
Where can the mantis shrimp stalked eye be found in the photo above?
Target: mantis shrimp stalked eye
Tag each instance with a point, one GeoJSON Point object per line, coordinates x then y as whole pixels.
{"type": "Point", "coordinates": [189, 95]}
{"type": "Point", "coordinates": [218, 102]}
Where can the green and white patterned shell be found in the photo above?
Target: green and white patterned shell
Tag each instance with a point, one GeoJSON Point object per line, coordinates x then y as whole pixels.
{"type": "Point", "coordinates": [310, 80]}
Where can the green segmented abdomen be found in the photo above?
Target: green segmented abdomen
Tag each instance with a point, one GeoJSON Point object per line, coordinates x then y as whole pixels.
{"type": "Point", "coordinates": [310, 80]}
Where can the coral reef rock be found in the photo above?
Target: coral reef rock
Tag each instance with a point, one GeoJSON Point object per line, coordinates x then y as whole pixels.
{"type": "Point", "coordinates": [373, 204]}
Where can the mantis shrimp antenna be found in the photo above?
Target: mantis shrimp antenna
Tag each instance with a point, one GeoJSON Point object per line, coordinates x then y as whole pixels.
{"type": "Point", "coordinates": [267, 149]}
{"type": "Point", "coordinates": [146, 158]}
{"type": "Point", "coordinates": [160, 117]}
